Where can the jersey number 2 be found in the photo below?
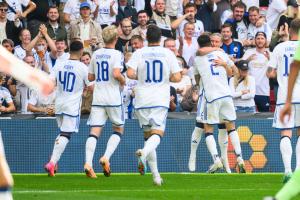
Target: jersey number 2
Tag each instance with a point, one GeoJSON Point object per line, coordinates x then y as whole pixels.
{"type": "Point", "coordinates": [67, 79]}
{"type": "Point", "coordinates": [153, 68]}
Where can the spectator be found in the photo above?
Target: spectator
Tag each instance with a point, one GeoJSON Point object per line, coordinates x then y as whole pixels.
{"type": "Point", "coordinates": [38, 103]}
{"type": "Point", "coordinates": [276, 8]}
{"type": "Point", "coordinates": [60, 54]}
{"type": "Point", "coordinates": [233, 48]}
{"type": "Point", "coordinates": [136, 42]}
{"type": "Point", "coordinates": [6, 102]}
{"type": "Point", "coordinates": [40, 44]}
{"type": "Point", "coordinates": [8, 29]}
{"type": "Point", "coordinates": [39, 16]}
{"type": "Point", "coordinates": [141, 29]}
{"type": "Point", "coordinates": [239, 23]}
{"type": "Point", "coordinates": [55, 30]}
{"type": "Point", "coordinates": [87, 95]}
{"type": "Point", "coordinates": [187, 45]}
{"type": "Point", "coordinates": [291, 13]}
{"type": "Point", "coordinates": [228, 14]}
{"type": "Point", "coordinates": [107, 12]}
{"type": "Point", "coordinates": [190, 11]}
{"type": "Point", "coordinates": [253, 28]}
{"type": "Point", "coordinates": [86, 29]}
{"type": "Point", "coordinates": [242, 87]}
{"type": "Point", "coordinates": [190, 100]}
{"type": "Point", "coordinates": [9, 82]}
{"type": "Point", "coordinates": [123, 42]}
{"type": "Point", "coordinates": [15, 9]}
{"type": "Point", "coordinates": [204, 13]}
{"type": "Point", "coordinates": [258, 64]}
{"type": "Point", "coordinates": [126, 11]}
{"type": "Point", "coordinates": [72, 11]}
{"type": "Point", "coordinates": [23, 92]}
{"type": "Point", "coordinates": [163, 21]}
{"type": "Point", "coordinates": [172, 7]}
{"type": "Point", "coordinates": [25, 38]}
{"type": "Point", "coordinates": [173, 99]}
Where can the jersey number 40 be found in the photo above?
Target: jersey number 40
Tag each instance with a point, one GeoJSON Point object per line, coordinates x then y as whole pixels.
{"type": "Point", "coordinates": [67, 80]}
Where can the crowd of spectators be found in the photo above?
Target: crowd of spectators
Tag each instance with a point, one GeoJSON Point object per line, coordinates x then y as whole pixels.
{"type": "Point", "coordinates": [39, 32]}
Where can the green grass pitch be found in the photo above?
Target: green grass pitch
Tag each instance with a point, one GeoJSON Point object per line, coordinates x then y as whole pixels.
{"type": "Point", "coordinates": [134, 186]}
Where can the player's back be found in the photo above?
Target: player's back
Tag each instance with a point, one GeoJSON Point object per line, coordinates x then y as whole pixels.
{"type": "Point", "coordinates": [107, 88]}
{"type": "Point", "coordinates": [154, 65]}
{"type": "Point", "coordinates": [214, 78]}
{"type": "Point", "coordinates": [71, 78]}
{"type": "Point", "coordinates": [281, 59]}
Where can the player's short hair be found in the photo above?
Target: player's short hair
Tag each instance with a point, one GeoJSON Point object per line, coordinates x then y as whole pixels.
{"type": "Point", "coordinates": [85, 53]}
{"type": "Point", "coordinates": [217, 35]}
{"type": "Point", "coordinates": [167, 40]}
{"type": "Point", "coordinates": [253, 8]}
{"type": "Point", "coordinates": [109, 34]}
{"type": "Point", "coordinates": [76, 46]}
{"type": "Point", "coordinates": [137, 37]}
{"type": "Point", "coordinates": [190, 5]}
{"type": "Point", "coordinates": [239, 4]}
{"type": "Point", "coordinates": [3, 4]}
{"type": "Point", "coordinates": [153, 34]}
{"type": "Point", "coordinates": [295, 25]}
{"type": "Point", "coordinates": [204, 41]}
{"type": "Point", "coordinates": [226, 25]}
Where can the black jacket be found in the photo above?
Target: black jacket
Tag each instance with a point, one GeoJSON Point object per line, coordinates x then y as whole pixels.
{"type": "Point", "coordinates": [12, 32]}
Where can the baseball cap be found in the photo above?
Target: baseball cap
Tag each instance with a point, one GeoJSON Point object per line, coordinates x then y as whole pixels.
{"type": "Point", "coordinates": [293, 3]}
{"type": "Point", "coordinates": [242, 65]}
{"type": "Point", "coordinates": [85, 5]}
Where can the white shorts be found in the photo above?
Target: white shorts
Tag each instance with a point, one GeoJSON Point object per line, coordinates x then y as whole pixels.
{"type": "Point", "coordinates": [201, 109]}
{"type": "Point", "coordinates": [67, 123]}
{"type": "Point", "coordinates": [294, 121]}
{"type": "Point", "coordinates": [219, 111]}
{"type": "Point", "coordinates": [152, 118]}
{"type": "Point", "coordinates": [99, 116]}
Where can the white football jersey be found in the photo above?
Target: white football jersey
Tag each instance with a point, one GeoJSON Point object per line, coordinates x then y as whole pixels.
{"type": "Point", "coordinates": [281, 59]}
{"type": "Point", "coordinates": [20, 52]}
{"type": "Point", "coordinates": [107, 89]}
{"type": "Point", "coordinates": [71, 77]}
{"type": "Point", "coordinates": [214, 78]}
{"type": "Point", "coordinates": [5, 95]}
{"type": "Point", "coordinates": [38, 99]}
{"type": "Point", "coordinates": [153, 66]}
{"type": "Point", "coordinates": [104, 16]}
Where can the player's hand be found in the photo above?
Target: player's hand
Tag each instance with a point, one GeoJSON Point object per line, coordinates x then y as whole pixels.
{"type": "Point", "coordinates": [50, 110]}
{"type": "Point", "coordinates": [286, 112]}
{"type": "Point", "coordinates": [252, 57]}
{"type": "Point", "coordinates": [179, 91]}
{"type": "Point", "coordinates": [245, 92]}
{"type": "Point", "coordinates": [260, 22]}
{"type": "Point", "coordinates": [219, 62]}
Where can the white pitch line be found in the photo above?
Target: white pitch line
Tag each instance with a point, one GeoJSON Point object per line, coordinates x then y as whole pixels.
{"type": "Point", "coordinates": [130, 190]}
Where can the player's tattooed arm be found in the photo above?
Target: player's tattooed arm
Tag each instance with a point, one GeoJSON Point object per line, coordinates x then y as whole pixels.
{"type": "Point", "coordinates": [271, 72]}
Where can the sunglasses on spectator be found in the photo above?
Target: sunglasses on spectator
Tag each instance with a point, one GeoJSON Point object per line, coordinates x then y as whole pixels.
{"type": "Point", "coordinates": [3, 9]}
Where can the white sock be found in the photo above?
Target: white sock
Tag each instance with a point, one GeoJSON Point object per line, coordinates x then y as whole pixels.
{"type": "Point", "coordinates": [90, 147]}
{"type": "Point", "coordinates": [111, 146]}
{"type": "Point", "coordinates": [152, 162]}
{"type": "Point", "coordinates": [195, 140]}
{"type": "Point", "coordinates": [286, 153]}
{"type": "Point", "coordinates": [6, 195]}
{"type": "Point", "coordinates": [223, 143]}
{"type": "Point", "coordinates": [151, 145]}
{"type": "Point", "coordinates": [59, 148]}
{"type": "Point", "coordinates": [212, 147]}
{"type": "Point", "coordinates": [298, 153]}
{"type": "Point", "coordinates": [235, 140]}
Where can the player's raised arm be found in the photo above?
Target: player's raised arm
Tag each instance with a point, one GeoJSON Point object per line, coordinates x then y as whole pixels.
{"type": "Point", "coordinates": [132, 66]}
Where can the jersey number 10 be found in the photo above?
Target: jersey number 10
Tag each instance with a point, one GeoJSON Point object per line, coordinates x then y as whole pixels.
{"type": "Point", "coordinates": [153, 68]}
{"type": "Point", "coordinates": [67, 79]}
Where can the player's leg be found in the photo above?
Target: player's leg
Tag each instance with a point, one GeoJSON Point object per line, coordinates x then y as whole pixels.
{"type": "Point", "coordinates": [223, 143]}
{"type": "Point", "coordinates": [195, 140]}
{"type": "Point", "coordinates": [68, 125]}
{"type": "Point", "coordinates": [285, 140]}
{"type": "Point", "coordinates": [298, 150]}
{"type": "Point", "coordinates": [228, 115]}
{"type": "Point", "coordinates": [96, 121]}
{"type": "Point", "coordinates": [116, 116]}
{"type": "Point", "coordinates": [6, 180]}
{"type": "Point", "coordinates": [156, 122]}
